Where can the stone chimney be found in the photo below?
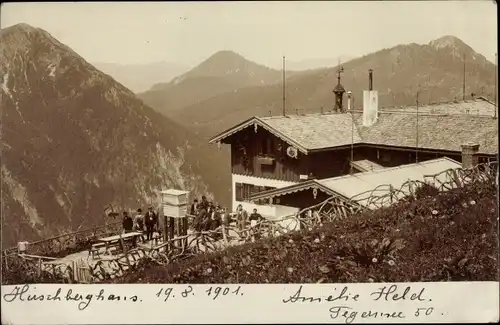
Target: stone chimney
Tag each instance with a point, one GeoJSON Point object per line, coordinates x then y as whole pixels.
{"type": "Point", "coordinates": [370, 103]}
{"type": "Point", "coordinates": [469, 155]}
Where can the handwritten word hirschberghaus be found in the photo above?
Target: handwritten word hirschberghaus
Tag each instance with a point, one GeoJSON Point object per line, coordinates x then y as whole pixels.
{"type": "Point", "coordinates": [25, 293]}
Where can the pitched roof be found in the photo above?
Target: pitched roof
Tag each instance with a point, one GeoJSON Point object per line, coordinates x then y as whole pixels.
{"type": "Point", "coordinates": [477, 106]}
{"type": "Point", "coordinates": [316, 131]}
{"type": "Point", "coordinates": [435, 132]}
{"type": "Point", "coordinates": [359, 187]}
{"type": "Point", "coordinates": [306, 132]}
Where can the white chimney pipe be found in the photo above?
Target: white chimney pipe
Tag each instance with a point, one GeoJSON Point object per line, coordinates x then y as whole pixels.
{"type": "Point", "coordinates": [349, 95]}
{"type": "Point", "coordinates": [370, 103]}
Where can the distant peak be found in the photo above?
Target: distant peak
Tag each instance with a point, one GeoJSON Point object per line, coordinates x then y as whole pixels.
{"type": "Point", "coordinates": [447, 41]}
{"type": "Point", "coordinates": [21, 27]}
{"type": "Point", "coordinates": [226, 53]}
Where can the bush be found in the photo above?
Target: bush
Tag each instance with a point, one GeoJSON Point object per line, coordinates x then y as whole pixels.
{"type": "Point", "coordinates": [451, 236]}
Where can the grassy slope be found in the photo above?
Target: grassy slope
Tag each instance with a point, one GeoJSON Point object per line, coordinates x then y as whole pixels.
{"type": "Point", "coordinates": [406, 242]}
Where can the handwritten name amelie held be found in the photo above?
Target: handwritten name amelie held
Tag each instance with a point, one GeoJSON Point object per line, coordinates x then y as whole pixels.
{"type": "Point", "coordinates": [27, 293]}
{"type": "Point", "coordinates": [388, 294]}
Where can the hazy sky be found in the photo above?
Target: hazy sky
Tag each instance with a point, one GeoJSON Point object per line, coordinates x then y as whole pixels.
{"type": "Point", "coordinates": [189, 32]}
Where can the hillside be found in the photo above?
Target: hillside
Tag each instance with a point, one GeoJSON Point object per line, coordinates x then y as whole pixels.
{"type": "Point", "coordinates": [223, 72]}
{"type": "Point", "coordinates": [141, 77]}
{"type": "Point", "coordinates": [435, 69]}
{"type": "Point", "coordinates": [74, 140]}
{"type": "Point", "coordinates": [451, 236]}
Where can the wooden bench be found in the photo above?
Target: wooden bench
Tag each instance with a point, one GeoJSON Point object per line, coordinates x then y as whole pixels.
{"type": "Point", "coordinates": [94, 249]}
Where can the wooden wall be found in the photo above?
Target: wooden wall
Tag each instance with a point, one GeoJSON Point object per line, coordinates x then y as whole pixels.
{"type": "Point", "coordinates": [247, 146]}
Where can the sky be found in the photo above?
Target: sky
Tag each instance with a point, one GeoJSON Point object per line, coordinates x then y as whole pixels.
{"type": "Point", "coordinates": [189, 32]}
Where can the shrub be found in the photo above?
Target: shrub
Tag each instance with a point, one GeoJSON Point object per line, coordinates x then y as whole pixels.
{"type": "Point", "coordinates": [450, 236]}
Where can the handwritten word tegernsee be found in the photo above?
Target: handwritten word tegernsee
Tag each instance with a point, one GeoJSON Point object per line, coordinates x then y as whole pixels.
{"type": "Point", "coordinates": [26, 293]}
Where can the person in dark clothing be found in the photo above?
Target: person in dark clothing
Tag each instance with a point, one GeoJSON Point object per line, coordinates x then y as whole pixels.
{"type": "Point", "coordinates": [194, 207]}
{"type": "Point", "coordinates": [215, 218]}
{"type": "Point", "coordinates": [256, 217]}
{"type": "Point", "coordinates": [128, 223]}
{"type": "Point", "coordinates": [207, 221]}
{"type": "Point", "coordinates": [204, 203]}
{"type": "Point", "coordinates": [200, 218]}
{"type": "Point", "coordinates": [150, 220]}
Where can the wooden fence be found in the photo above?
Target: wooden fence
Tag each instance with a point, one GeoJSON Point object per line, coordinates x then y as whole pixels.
{"type": "Point", "coordinates": [65, 242]}
{"type": "Point", "coordinates": [230, 234]}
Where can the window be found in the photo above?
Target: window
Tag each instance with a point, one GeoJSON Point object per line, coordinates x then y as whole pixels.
{"type": "Point", "coordinates": [263, 147]}
{"type": "Point", "coordinates": [243, 191]}
{"type": "Point", "coordinates": [266, 146]}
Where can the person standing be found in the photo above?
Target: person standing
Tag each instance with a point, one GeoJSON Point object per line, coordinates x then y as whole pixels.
{"type": "Point", "coordinates": [139, 223]}
{"type": "Point", "coordinates": [127, 223]}
{"type": "Point", "coordinates": [255, 218]}
{"type": "Point", "coordinates": [194, 207]}
{"type": "Point", "coordinates": [241, 219]}
{"type": "Point", "coordinates": [150, 220]}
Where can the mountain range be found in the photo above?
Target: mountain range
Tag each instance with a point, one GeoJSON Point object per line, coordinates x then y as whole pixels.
{"type": "Point", "coordinates": [434, 70]}
{"type": "Point", "coordinates": [141, 77]}
{"type": "Point", "coordinates": [223, 72]}
{"type": "Point", "coordinates": [74, 140]}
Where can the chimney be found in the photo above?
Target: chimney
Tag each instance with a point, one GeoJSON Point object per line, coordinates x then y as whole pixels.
{"type": "Point", "coordinates": [469, 155]}
{"type": "Point", "coordinates": [370, 103]}
{"type": "Point", "coordinates": [370, 80]}
{"type": "Point", "coordinates": [349, 96]}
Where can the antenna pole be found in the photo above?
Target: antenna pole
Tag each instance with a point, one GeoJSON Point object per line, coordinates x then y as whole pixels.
{"type": "Point", "coordinates": [496, 86]}
{"type": "Point", "coordinates": [284, 96]}
{"type": "Point", "coordinates": [416, 142]}
{"type": "Point", "coordinates": [352, 136]}
{"type": "Point", "coordinates": [463, 91]}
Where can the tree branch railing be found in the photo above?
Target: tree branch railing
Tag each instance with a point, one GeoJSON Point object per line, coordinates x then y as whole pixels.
{"type": "Point", "coordinates": [229, 234]}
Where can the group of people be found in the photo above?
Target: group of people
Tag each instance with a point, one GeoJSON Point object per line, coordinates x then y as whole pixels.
{"type": "Point", "coordinates": [207, 216]}
{"type": "Point", "coordinates": [147, 223]}
{"type": "Point", "coordinates": [210, 216]}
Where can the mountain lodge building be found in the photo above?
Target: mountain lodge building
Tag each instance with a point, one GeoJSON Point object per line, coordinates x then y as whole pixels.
{"type": "Point", "coordinates": [269, 153]}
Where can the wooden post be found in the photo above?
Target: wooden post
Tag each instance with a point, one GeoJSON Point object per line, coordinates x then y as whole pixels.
{"type": "Point", "coordinates": [125, 250]}
{"type": "Point", "coordinates": [75, 271]}
{"type": "Point", "coordinates": [39, 270]}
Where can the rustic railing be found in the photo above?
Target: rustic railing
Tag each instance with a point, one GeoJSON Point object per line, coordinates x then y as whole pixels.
{"type": "Point", "coordinates": [231, 233]}
{"type": "Point", "coordinates": [65, 242]}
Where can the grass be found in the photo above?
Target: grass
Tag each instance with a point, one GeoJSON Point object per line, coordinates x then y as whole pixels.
{"type": "Point", "coordinates": [450, 236]}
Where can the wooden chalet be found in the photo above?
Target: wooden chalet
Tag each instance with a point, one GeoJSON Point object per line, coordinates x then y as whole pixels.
{"type": "Point", "coordinates": [274, 152]}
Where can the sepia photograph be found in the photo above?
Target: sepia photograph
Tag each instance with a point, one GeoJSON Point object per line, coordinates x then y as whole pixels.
{"type": "Point", "coordinates": [235, 143]}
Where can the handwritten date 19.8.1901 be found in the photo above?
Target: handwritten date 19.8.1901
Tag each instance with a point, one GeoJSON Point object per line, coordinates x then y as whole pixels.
{"type": "Point", "coordinates": [213, 292]}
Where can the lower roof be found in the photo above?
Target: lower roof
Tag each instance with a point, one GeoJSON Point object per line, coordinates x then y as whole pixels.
{"type": "Point", "coordinates": [360, 186]}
